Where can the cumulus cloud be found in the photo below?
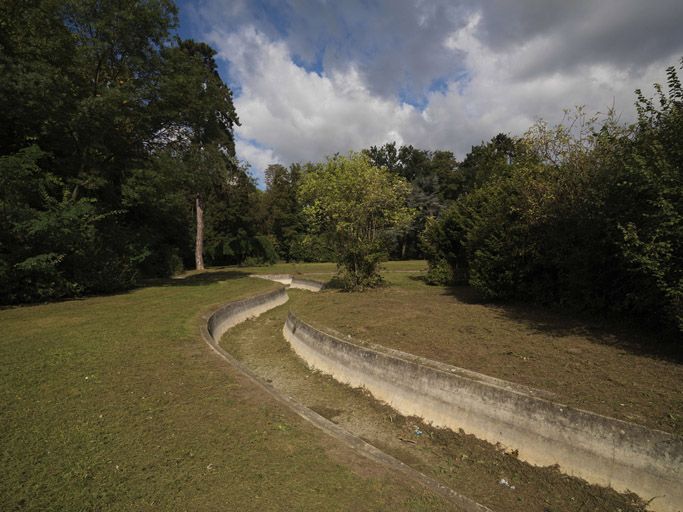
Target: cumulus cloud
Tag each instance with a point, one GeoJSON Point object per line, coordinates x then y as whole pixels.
{"type": "Point", "coordinates": [394, 45]}
{"type": "Point", "coordinates": [298, 113]}
{"type": "Point", "coordinates": [256, 156]}
{"type": "Point", "coordinates": [316, 77]}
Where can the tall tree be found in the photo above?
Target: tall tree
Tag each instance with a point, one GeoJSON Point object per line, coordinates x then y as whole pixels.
{"type": "Point", "coordinates": [76, 81]}
{"type": "Point", "coordinates": [107, 123]}
{"type": "Point", "coordinates": [201, 119]}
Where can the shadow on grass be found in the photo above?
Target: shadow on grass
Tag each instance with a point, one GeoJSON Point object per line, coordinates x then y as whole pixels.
{"type": "Point", "coordinates": [463, 293]}
{"type": "Point", "coordinates": [199, 279]}
{"type": "Point", "coordinates": [621, 333]}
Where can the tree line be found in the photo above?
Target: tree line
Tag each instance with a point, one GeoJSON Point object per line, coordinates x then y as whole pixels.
{"type": "Point", "coordinates": [584, 215]}
{"type": "Point", "coordinates": [117, 163]}
{"type": "Point", "coordinates": [587, 215]}
{"type": "Point", "coordinates": [116, 136]}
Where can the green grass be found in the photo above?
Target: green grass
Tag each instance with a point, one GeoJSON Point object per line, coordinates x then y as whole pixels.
{"type": "Point", "coordinates": [114, 403]}
{"type": "Point", "coordinates": [324, 269]}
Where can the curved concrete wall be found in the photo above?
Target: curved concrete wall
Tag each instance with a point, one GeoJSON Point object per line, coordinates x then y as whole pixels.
{"type": "Point", "coordinates": [306, 284]}
{"type": "Point", "coordinates": [285, 279]}
{"type": "Point", "coordinates": [292, 282]}
{"type": "Point", "coordinates": [217, 322]}
{"type": "Point", "coordinates": [599, 449]}
{"type": "Point", "coordinates": [234, 313]}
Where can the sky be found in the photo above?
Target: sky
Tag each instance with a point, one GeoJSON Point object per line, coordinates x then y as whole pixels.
{"type": "Point", "coordinates": [315, 77]}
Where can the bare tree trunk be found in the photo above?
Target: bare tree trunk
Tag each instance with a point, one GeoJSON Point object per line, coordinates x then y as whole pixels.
{"type": "Point", "coordinates": [199, 242]}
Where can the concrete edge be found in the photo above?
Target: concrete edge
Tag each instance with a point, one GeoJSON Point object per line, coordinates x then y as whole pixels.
{"type": "Point", "coordinates": [255, 306]}
{"type": "Point", "coordinates": [438, 365]}
{"type": "Point", "coordinates": [639, 453]}
{"type": "Point", "coordinates": [291, 281]}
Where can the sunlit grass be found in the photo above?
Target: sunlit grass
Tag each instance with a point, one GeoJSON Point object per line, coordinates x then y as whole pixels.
{"type": "Point", "coordinates": [115, 403]}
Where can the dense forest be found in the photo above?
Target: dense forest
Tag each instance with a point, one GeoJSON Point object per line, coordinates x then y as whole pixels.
{"type": "Point", "coordinates": [116, 143]}
{"type": "Point", "coordinates": [117, 163]}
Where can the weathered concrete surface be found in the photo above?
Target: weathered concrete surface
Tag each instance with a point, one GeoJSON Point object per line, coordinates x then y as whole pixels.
{"type": "Point", "coordinates": [217, 322]}
{"type": "Point", "coordinates": [306, 284]}
{"type": "Point", "coordinates": [285, 279]}
{"type": "Point", "coordinates": [292, 282]}
{"type": "Point", "coordinates": [236, 312]}
{"type": "Point", "coordinates": [599, 449]}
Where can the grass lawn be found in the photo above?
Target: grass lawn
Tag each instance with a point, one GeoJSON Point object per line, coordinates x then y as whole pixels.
{"type": "Point", "coordinates": [115, 403]}
{"type": "Point", "coordinates": [324, 270]}
{"type": "Point", "coordinates": [464, 463]}
{"type": "Point", "coordinates": [596, 365]}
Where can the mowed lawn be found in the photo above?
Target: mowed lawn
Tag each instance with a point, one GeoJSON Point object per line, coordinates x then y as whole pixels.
{"type": "Point", "coordinates": [115, 403]}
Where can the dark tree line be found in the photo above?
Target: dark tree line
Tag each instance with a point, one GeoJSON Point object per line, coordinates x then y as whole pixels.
{"type": "Point", "coordinates": [116, 150]}
{"type": "Point", "coordinates": [585, 215]}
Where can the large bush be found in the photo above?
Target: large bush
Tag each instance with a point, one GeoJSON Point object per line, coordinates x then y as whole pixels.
{"type": "Point", "coordinates": [357, 208]}
{"type": "Point", "coordinates": [587, 214]}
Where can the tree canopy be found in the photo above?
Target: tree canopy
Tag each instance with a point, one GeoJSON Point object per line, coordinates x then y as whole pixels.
{"type": "Point", "coordinates": [111, 128]}
{"type": "Point", "coordinates": [357, 207]}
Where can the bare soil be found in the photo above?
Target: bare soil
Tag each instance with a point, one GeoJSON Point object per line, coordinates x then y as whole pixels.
{"type": "Point", "coordinates": [480, 470]}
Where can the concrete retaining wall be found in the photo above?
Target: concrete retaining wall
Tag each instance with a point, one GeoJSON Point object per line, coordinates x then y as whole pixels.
{"type": "Point", "coordinates": [292, 282]}
{"type": "Point", "coordinates": [306, 284]}
{"type": "Point", "coordinates": [235, 312]}
{"type": "Point", "coordinates": [217, 322]}
{"type": "Point", "coordinates": [599, 449]}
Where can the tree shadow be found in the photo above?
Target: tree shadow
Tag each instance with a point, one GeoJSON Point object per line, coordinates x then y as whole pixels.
{"type": "Point", "coordinates": [463, 293]}
{"type": "Point", "coordinates": [611, 330]}
{"type": "Point", "coordinates": [468, 295]}
{"type": "Point", "coordinates": [199, 279]}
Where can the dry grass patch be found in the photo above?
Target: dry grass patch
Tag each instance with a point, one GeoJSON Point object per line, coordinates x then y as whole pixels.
{"type": "Point", "coordinates": [468, 465]}
{"type": "Point", "coordinates": [593, 364]}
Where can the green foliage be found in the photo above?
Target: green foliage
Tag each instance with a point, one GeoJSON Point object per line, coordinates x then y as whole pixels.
{"type": "Point", "coordinates": [585, 214]}
{"type": "Point", "coordinates": [435, 180]}
{"type": "Point", "coordinates": [652, 243]}
{"type": "Point", "coordinates": [50, 245]}
{"type": "Point", "coordinates": [311, 247]}
{"type": "Point", "coordinates": [439, 273]}
{"type": "Point", "coordinates": [111, 129]}
{"type": "Point", "coordinates": [358, 208]}
{"type": "Point", "coordinates": [233, 223]}
{"type": "Point", "coordinates": [282, 213]}
{"type": "Point", "coordinates": [442, 248]}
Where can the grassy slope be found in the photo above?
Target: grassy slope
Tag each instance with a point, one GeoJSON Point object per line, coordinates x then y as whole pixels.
{"type": "Point", "coordinates": [461, 461]}
{"type": "Point", "coordinates": [590, 364]}
{"type": "Point", "coordinates": [114, 403]}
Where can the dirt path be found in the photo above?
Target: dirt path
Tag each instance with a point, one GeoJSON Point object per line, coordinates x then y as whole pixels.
{"type": "Point", "coordinates": [475, 468]}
